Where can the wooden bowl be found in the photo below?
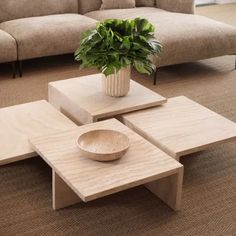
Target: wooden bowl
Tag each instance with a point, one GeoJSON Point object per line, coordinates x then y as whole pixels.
{"type": "Point", "coordinates": [103, 145]}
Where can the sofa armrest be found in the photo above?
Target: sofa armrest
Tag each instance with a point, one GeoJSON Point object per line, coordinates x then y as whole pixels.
{"type": "Point", "coordinates": [182, 6]}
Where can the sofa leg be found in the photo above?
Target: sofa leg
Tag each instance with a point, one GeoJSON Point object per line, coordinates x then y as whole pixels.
{"type": "Point", "coordinates": [20, 68]}
{"type": "Point", "coordinates": [155, 77]}
{"type": "Point", "coordinates": [14, 69]}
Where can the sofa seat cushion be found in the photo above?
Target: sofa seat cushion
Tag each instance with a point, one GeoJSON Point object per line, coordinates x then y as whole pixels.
{"type": "Point", "coordinates": [8, 50]}
{"type": "Point", "coordinates": [185, 37]}
{"type": "Point", "coordinates": [47, 35]}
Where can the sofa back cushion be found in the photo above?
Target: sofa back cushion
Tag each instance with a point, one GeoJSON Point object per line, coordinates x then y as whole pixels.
{"type": "Point", "coordinates": [89, 5]}
{"type": "Point", "coordinates": [114, 4]}
{"type": "Point", "coordinates": [14, 9]}
{"type": "Point", "coordinates": [145, 3]}
{"type": "Point", "coordinates": [86, 6]}
{"type": "Point", "coordinates": [182, 6]}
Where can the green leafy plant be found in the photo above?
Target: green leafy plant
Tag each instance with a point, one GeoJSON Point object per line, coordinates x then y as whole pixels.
{"type": "Point", "coordinates": [119, 43]}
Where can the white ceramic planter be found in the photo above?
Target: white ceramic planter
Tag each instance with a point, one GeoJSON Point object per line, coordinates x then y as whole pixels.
{"type": "Point", "coordinates": [117, 85]}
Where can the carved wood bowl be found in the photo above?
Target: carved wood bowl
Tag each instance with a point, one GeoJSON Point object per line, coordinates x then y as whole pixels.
{"type": "Point", "coordinates": [103, 145]}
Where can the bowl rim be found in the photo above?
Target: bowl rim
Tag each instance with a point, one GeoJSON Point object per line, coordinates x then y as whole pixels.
{"type": "Point", "coordinates": [104, 130]}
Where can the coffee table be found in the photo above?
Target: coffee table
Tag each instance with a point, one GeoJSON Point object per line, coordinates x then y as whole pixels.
{"type": "Point", "coordinates": [77, 178]}
{"type": "Point", "coordinates": [18, 123]}
{"type": "Point", "coordinates": [82, 99]}
{"type": "Point", "coordinates": [181, 126]}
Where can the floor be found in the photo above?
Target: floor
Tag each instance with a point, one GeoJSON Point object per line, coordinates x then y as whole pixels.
{"type": "Point", "coordinates": [225, 13]}
{"type": "Point", "coordinates": [209, 194]}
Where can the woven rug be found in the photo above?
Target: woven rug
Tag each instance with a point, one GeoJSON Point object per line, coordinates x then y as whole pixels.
{"type": "Point", "coordinates": [209, 193]}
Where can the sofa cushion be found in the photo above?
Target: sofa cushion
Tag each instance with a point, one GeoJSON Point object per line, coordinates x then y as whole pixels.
{"type": "Point", "coordinates": [15, 9]}
{"type": "Point", "coordinates": [8, 50]}
{"type": "Point", "coordinates": [47, 35]}
{"type": "Point", "coordinates": [145, 3]}
{"type": "Point", "coordinates": [89, 5]}
{"type": "Point", "coordinates": [185, 37]}
{"type": "Point", "coordinates": [86, 6]}
{"type": "Point", "coordinates": [183, 6]}
{"type": "Point", "coordinates": [114, 4]}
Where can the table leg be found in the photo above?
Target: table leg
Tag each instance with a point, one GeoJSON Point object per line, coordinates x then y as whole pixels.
{"type": "Point", "coordinates": [62, 194]}
{"type": "Point", "coordinates": [168, 189]}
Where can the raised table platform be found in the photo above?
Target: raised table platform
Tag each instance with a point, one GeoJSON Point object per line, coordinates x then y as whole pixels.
{"type": "Point", "coordinates": [83, 101]}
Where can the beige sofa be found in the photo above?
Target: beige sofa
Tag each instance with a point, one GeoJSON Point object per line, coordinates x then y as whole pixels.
{"type": "Point", "coordinates": [51, 27]}
{"type": "Point", "coordinates": [186, 37]}
{"type": "Point", "coordinates": [38, 28]}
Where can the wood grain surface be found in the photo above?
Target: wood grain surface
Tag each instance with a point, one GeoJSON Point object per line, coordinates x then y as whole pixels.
{"type": "Point", "coordinates": [82, 99]}
{"type": "Point", "coordinates": [62, 194]}
{"type": "Point", "coordinates": [18, 123]}
{"type": "Point", "coordinates": [181, 126]}
{"type": "Point", "coordinates": [90, 179]}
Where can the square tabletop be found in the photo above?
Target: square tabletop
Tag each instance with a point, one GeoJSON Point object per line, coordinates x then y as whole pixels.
{"type": "Point", "coordinates": [18, 123]}
{"type": "Point", "coordinates": [90, 179]}
{"type": "Point", "coordinates": [181, 126]}
{"type": "Point", "coordinates": [82, 99]}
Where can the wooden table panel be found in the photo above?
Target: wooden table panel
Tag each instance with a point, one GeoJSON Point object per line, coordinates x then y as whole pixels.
{"type": "Point", "coordinates": [82, 99]}
{"type": "Point", "coordinates": [143, 163]}
{"type": "Point", "coordinates": [18, 123]}
{"type": "Point", "coordinates": [181, 126]}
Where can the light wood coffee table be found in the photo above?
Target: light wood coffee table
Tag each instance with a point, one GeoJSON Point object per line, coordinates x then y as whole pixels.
{"type": "Point", "coordinates": [77, 178]}
{"type": "Point", "coordinates": [18, 123]}
{"type": "Point", "coordinates": [181, 126]}
{"type": "Point", "coordinates": [83, 101]}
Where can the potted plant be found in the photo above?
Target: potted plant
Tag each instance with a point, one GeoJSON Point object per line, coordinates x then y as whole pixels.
{"type": "Point", "coordinates": [116, 45]}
